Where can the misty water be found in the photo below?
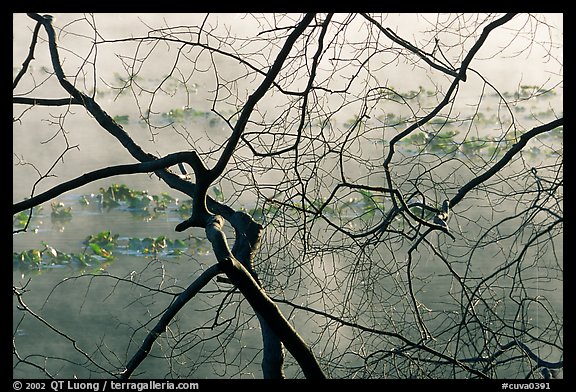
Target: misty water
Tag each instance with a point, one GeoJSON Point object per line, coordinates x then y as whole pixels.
{"type": "Point", "coordinates": [111, 302]}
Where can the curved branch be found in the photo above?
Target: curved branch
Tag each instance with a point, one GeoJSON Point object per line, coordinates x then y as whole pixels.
{"type": "Point", "coordinates": [197, 192]}
{"type": "Point", "coordinates": [30, 55]}
{"type": "Point", "coordinates": [259, 300]}
{"type": "Point", "coordinates": [384, 333]}
{"type": "Point", "coordinates": [524, 139]}
{"type": "Point", "coordinates": [424, 56]}
{"type": "Point", "coordinates": [90, 104]}
{"type": "Point", "coordinates": [248, 236]}
{"type": "Point", "coordinates": [485, 32]}
{"type": "Point", "coordinates": [305, 94]}
{"type": "Point", "coordinates": [143, 167]}
{"type": "Point", "coordinates": [203, 181]}
{"type": "Point", "coordinates": [461, 76]}
{"type": "Point", "coordinates": [258, 95]}
{"type": "Point", "coordinates": [168, 315]}
{"type": "Point", "coordinates": [18, 293]}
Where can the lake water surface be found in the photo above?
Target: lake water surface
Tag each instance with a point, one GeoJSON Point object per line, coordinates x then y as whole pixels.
{"type": "Point", "coordinates": [107, 308]}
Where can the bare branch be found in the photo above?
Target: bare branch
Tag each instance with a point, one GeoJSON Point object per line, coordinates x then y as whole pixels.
{"type": "Point", "coordinates": [168, 315]}
{"type": "Point", "coordinates": [46, 101]}
{"type": "Point", "coordinates": [515, 149]}
{"type": "Point", "coordinates": [261, 303]}
{"type": "Point", "coordinates": [423, 55]}
{"type": "Point", "coordinates": [144, 167]}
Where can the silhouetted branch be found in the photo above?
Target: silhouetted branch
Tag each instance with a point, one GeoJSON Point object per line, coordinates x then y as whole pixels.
{"type": "Point", "coordinates": [419, 52]}
{"type": "Point", "coordinates": [101, 116]}
{"type": "Point", "coordinates": [344, 208]}
{"type": "Point", "coordinates": [203, 180]}
{"type": "Point", "coordinates": [260, 302]}
{"type": "Point", "coordinates": [46, 101]}
{"type": "Point", "coordinates": [18, 293]}
{"type": "Point", "coordinates": [448, 96]}
{"type": "Point", "coordinates": [30, 56]}
{"type": "Point", "coordinates": [144, 167]}
{"type": "Point", "coordinates": [517, 147]}
{"type": "Point", "coordinates": [168, 315]}
{"type": "Point", "coordinates": [384, 333]}
{"type": "Point", "coordinates": [247, 242]}
{"type": "Point", "coordinates": [257, 96]}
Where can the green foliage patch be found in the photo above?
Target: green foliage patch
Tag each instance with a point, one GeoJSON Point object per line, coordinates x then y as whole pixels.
{"type": "Point", "coordinates": [102, 247]}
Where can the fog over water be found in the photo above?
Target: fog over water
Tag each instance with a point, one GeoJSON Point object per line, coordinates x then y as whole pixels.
{"type": "Point", "coordinates": [101, 307]}
{"type": "Point", "coordinates": [96, 148]}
